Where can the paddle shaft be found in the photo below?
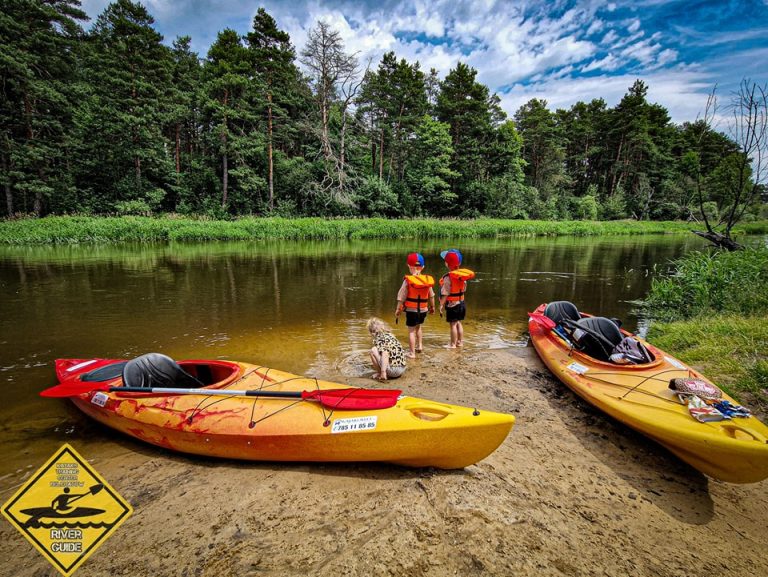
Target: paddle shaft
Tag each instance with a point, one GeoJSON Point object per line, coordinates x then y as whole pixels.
{"type": "Point", "coordinates": [207, 392]}
{"type": "Point", "coordinates": [343, 399]}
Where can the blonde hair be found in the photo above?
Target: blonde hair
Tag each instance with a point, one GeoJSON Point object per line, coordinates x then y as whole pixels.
{"type": "Point", "coordinates": [376, 325]}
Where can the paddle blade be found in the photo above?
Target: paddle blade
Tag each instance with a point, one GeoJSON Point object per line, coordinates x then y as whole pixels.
{"type": "Point", "coordinates": [73, 389]}
{"type": "Point", "coordinates": [354, 399]}
{"type": "Point", "coordinates": [543, 320]}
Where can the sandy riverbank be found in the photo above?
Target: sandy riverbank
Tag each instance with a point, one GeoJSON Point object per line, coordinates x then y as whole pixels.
{"type": "Point", "coordinates": [570, 492]}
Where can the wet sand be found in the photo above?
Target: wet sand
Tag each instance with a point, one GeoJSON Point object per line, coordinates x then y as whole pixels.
{"type": "Point", "coordinates": [570, 492]}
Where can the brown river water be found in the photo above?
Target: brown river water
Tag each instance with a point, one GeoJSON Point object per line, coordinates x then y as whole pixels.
{"type": "Point", "coordinates": [296, 306]}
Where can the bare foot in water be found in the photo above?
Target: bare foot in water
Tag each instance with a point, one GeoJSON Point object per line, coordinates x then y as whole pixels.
{"type": "Point", "coordinates": [410, 355]}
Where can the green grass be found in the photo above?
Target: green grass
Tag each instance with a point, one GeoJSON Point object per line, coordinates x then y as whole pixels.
{"type": "Point", "coordinates": [729, 349]}
{"type": "Point", "coordinates": [78, 229]}
{"type": "Point", "coordinates": [709, 282]}
{"type": "Point", "coordinates": [712, 312]}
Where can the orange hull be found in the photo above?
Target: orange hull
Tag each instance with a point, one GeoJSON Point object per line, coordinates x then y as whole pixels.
{"type": "Point", "coordinates": [415, 432]}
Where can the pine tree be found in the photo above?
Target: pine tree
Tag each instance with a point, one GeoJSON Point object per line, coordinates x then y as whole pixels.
{"type": "Point", "coordinates": [395, 99]}
{"type": "Point", "coordinates": [273, 61]}
{"type": "Point", "coordinates": [182, 125]}
{"type": "Point", "coordinates": [124, 158]}
{"type": "Point", "coordinates": [38, 43]}
{"type": "Point", "coordinates": [640, 138]}
{"type": "Point", "coordinates": [472, 114]}
{"type": "Point", "coordinates": [230, 109]}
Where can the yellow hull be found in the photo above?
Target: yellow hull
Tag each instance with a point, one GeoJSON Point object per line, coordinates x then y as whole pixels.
{"type": "Point", "coordinates": [734, 450]}
{"type": "Point", "coordinates": [415, 432]}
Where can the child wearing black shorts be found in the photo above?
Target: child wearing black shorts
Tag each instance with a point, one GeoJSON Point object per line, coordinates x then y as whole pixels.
{"type": "Point", "coordinates": [417, 298]}
{"type": "Point", "coordinates": [453, 285]}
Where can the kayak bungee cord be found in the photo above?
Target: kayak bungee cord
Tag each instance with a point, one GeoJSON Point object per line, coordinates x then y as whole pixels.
{"type": "Point", "coordinates": [634, 388]}
{"type": "Point", "coordinates": [255, 370]}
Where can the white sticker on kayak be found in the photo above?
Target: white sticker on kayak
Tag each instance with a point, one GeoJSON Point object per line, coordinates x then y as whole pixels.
{"type": "Point", "coordinates": [675, 363]}
{"type": "Point", "coordinates": [99, 399]}
{"type": "Point", "coordinates": [81, 365]}
{"type": "Point", "coordinates": [354, 424]}
{"type": "Point", "coordinates": [577, 368]}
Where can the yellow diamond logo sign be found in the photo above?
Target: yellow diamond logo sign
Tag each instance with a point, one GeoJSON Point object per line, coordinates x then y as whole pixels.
{"type": "Point", "coordinates": [66, 510]}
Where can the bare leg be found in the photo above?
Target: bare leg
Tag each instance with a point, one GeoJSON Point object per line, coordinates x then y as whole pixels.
{"type": "Point", "coordinates": [384, 366]}
{"type": "Point", "coordinates": [411, 354]}
{"type": "Point", "coordinates": [419, 345]}
{"type": "Point", "coordinates": [454, 335]}
{"type": "Point", "coordinates": [376, 359]}
{"type": "Point", "coordinates": [459, 334]}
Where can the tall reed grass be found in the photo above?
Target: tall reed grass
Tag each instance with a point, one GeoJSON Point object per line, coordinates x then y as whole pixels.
{"type": "Point", "coordinates": [703, 283]}
{"type": "Point", "coordinates": [78, 229]}
{"type": "Point", "coordinates": [713, 309]}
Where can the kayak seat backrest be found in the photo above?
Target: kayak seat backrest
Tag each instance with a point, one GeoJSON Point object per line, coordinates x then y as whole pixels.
{"type": "Point", "coordinates": [597, 336]}
{"type": "Point", "coordinates": [156, 370]}
{"type": "Point", "coordinates": [560, 311]}
{"type": "Point", "coordinates": [104, 373]}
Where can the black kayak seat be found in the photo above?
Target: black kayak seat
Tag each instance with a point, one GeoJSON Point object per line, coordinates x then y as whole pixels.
{"type": "Point", "coordinates": [560, 311]}
{"type": "Point", "coordinates": [157, 370]}
{"type": "Point", "coordinates": [104, 373]}
{"type": "Point", "coordinates": [597, 337]}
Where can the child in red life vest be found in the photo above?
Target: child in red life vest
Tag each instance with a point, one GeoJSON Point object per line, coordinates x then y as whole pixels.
{"type": "Point", "coordinates": [453, 285]}
{"type": "Point", "coordinates": [416, 297]}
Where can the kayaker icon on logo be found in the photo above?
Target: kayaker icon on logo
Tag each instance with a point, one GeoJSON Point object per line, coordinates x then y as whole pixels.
{"type": "Point", "coordinates": [66, 510]}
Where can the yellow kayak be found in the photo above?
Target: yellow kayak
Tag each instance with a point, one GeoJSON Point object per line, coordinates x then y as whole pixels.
{"type": "Point", "coordinates": [227, 413]}
{"type": "Point", "coordinates": [639, 395]}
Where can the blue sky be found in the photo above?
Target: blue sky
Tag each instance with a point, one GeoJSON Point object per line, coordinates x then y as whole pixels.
{"type": "Point", "coordinates": [560, 51]}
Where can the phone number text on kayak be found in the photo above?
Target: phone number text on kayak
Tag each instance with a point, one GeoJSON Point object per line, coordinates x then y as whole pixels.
{"type": "Point", "coordinates": [353, 425]}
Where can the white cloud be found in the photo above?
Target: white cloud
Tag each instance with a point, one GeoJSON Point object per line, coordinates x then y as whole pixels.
{"type": "Point", "coordinates": [597, 26]}
{"type": "Point", "coordinates": [610, 37]}
{"type": "Point", "coordinates": [608, 64]}
{"type": "Point", "coordinates": [682, 92]}
{"type": "Point", "coordinates": [539, 48]}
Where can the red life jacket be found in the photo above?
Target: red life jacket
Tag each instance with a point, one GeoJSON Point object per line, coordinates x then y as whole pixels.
{"type": "Point", "coordinates": [418, 291]}
{"type": "Point", "coordinates": [459, 278]}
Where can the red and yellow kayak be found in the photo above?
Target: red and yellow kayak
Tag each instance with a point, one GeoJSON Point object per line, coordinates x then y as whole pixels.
{"type": "Point", "coordinates": [734, 450]}
{"type": "Point", "coordinates": [414, 432]}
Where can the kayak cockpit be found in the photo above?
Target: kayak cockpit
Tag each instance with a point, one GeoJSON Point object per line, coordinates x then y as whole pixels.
{"type": "Point", "coordinates": [160, 371]}
{"type": "Point", "coordinates": [599, 338]}
{"type": "Point", "coordinates": [155, 370]}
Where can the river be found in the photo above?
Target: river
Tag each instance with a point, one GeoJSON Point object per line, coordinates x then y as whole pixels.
{"type": "Point", "coordinates": [296, 306]}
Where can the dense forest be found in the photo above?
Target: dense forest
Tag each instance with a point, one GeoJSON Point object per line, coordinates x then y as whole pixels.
{"type": "Point", "coordinates": [110, 120]}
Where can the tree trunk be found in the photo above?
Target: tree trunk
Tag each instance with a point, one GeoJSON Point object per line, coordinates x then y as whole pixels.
{"type": "Point", "coordinates": [7, 186]}
{"type": "Point", "coordinates": [719, 240]}
{"type": "Point", "coordinates": [37, 204]}
{"type": "Point", "coordinates": [326, 141]}
{"type": "Point", "coordinates": [224, 159]}
{"type": "Point", "coordinates": [178, 148]}
{"type": "Point", "coordinates": [137, 165]}
{"type": "Point", "coordinates": [224, 168]}
{"type": "Point", "coordinates": [381, 154]}
{"type": "Point", "coordinates": [341, 148]}
{"type": "Point", "coordinates": [373, 155]}
{"type": "Point", "coordinates": [269, 153]}
{"type": "Point", "coordinates": [614, 184]}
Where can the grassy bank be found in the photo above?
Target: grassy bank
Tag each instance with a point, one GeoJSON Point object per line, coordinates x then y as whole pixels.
{"type": "Point", "coordinates": [712, 312]}
{"type": "Point", "coordinates": [729, 349]}
{"type": "Point", "coordinates": [77, 229]}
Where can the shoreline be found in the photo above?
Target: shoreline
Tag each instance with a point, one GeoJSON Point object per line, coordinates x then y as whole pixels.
{"type": "Point", "coordinates": [85, 229]}
{"type": "Point", "coordinates": [569, 492]}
